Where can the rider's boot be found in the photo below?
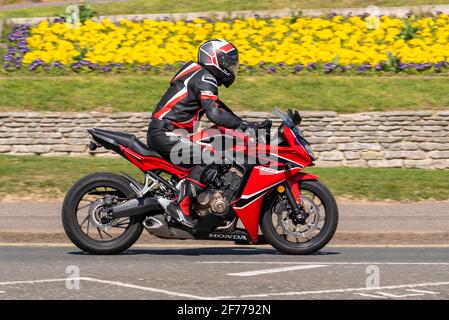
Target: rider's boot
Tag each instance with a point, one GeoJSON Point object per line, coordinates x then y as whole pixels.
{"type": "Point", "coordinates": [180, 209]}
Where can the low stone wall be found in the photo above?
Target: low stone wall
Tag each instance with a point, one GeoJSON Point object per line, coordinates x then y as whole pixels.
{"type": "Point", "coordinates": [386, 11]}
{"type": "Point", "coordinates": [374, 139]}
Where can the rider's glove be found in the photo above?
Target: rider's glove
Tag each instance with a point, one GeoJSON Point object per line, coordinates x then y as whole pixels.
{"type": "Point", "coordinates": [245, 125]}
{"type": "Point", "coordinates": [266, 124]}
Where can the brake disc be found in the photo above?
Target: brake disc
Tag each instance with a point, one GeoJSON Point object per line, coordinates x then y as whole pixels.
{"type": "Point", "coordinates": [301, 230]}
{"type": "Point", "coordinates": [97, 214]}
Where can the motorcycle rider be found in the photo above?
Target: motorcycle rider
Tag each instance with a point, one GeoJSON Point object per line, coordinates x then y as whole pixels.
{"type": "Point", "coordinates": [193, 91]}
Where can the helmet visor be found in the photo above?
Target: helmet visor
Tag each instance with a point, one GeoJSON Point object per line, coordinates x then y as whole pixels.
{"type": "Point", "coordinates": [234, 68]}
{"type": "Point", "coordinates": [234, 62]}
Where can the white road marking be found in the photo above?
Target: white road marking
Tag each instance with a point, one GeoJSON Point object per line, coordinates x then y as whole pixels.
{"type": "Point", "coordinates": [423, 291]}
{"type": "Point", "coordinates": [172, 293]}
{"type": "Point", "coordinates": [369, 295]}
{"type": "Point", "coordinates": [327, 263]}
{"type": "Point", "coordinates": [385, 295]}
{"type": "Point", "coordinates": [35, 281]}
{"type": "Point", "coordinates": [301, 293]}
{"type": "Point", "coordinates": [119, 284]}
{"type": "Point", "coordinates": [399, 296]}
{"type": "Point", "coordinates": [275, 270]}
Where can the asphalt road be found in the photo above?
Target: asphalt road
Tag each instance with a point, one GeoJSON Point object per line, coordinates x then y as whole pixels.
{"type": "Point", "coordinates": [231, 272]}
{"type": "Point", "coordinates": [354, 216]}
{"type": "Point", "coordinates": [386, 223]}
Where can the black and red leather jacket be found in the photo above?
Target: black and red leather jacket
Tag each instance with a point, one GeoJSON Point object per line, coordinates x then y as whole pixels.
{"type": "Point", "coordinates": [193, 91]}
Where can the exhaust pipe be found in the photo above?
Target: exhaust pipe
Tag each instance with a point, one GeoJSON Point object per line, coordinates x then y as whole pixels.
{"type": "Point", "coordinates": [157, 225]}
{"type": "Point", "coordinates": [135, 207]}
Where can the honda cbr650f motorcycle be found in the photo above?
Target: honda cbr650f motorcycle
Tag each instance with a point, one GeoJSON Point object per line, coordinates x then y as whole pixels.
{"type": "Point", "coordinates": [253, 201]}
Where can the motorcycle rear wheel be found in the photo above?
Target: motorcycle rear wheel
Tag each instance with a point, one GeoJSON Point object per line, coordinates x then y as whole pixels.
{"type": "Point", "coordinates": [103, 243]}
{"type": "Point", "coordinates": [326, 230]}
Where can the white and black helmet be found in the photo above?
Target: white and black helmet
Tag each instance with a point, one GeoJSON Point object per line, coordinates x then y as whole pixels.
{"type": "Point", "coordinates": [221, 59]}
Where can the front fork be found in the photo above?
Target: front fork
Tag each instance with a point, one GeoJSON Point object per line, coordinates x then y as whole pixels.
{"type": "Point", "coordinates": [298, 214]}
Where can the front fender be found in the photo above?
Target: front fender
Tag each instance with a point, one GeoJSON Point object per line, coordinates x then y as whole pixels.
{"type": "Point", "coordinates": [303, 176]}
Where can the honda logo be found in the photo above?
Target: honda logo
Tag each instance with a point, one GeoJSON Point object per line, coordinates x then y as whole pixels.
{"type": "Point", "coordinates": [227, 236]}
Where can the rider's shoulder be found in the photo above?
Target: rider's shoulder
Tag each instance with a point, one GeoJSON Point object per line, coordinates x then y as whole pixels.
{"type": "Point", "coordinates": [207, 78]}
{"type": "Point", "coordinates": [186, 71]}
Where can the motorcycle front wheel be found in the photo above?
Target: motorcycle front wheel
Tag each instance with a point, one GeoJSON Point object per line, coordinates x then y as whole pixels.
{"type": "Point", "coordinates": [289, 236]}
{"type": "Point", "coordinates": [85, 219]}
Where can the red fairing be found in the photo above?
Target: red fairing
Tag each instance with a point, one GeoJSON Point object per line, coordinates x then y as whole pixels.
{"type": "Point", "coordinates": [250, 215]}
{"type": "Point", "coordinates": [261, 180]}
{"type": "Point", "coordinates": [298, 148]}
{"type": "Point", "coordinates": [153, 163]}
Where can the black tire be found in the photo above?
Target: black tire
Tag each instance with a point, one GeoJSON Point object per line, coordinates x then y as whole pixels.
{"type": "Point", "coordinates": [316, 243]}
{"type": "Point", "coordinates": [70, 221]}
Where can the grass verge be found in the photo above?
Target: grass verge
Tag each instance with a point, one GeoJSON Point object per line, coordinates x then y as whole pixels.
{"type": "Point", "coordinates": [34, 177]}
{"type": "Point", "coordinates": [259, 93]}
{"type": "Point", "coordinates": [169, 6]}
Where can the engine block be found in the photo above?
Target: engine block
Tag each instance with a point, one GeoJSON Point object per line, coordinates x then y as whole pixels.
{"type": "Point", "coordinates": [217, 200]}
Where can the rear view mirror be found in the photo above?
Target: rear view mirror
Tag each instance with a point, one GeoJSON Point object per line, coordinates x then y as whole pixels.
{"type": "Point", "coordinates": [294, 115]}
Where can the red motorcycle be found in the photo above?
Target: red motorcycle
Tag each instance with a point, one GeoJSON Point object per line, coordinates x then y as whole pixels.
{"type": "Point", "coordinates": [105, 213]}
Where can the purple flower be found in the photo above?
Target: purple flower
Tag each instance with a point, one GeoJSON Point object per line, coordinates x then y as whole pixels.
{"type": "Point", "coordinates": [404, 66]}
{"type": "Point", "coordinates": [364, 67]}
{"type": "Point", "coordinates": [438, 66]}
{"type": "Point", "coordinates": [58, 64]}
{"type": "Point", "coordinates": [261, 63]}
{"type": "Point", "coordinates": [298, 68]}
{"type": "Point", "coordinates": [329, 67]}
{"type": "Point", "coordinates": [423, 66]}
{"type": "Point", "coordinates": [35, 64]}
{"type": "Point", "coordinates": [345, 68]}
{"type": "Point", "coordinates": [311, 66]}
{"type": "Point", "coordinates": [17, 46]}
{"type": "Point", "coordinates": [271, 70]}
{"type": "Point", "coordinates": [379, 66]}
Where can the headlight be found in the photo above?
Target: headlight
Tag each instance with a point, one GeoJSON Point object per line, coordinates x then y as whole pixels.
{"type": "Point", "coordinates": [306, 145]}
{"type": "Point", "coordinates": [308, 148]}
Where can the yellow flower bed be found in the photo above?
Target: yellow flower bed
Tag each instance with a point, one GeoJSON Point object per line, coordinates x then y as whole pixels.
{"type": "Point", "coordinates": [277, 40]}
